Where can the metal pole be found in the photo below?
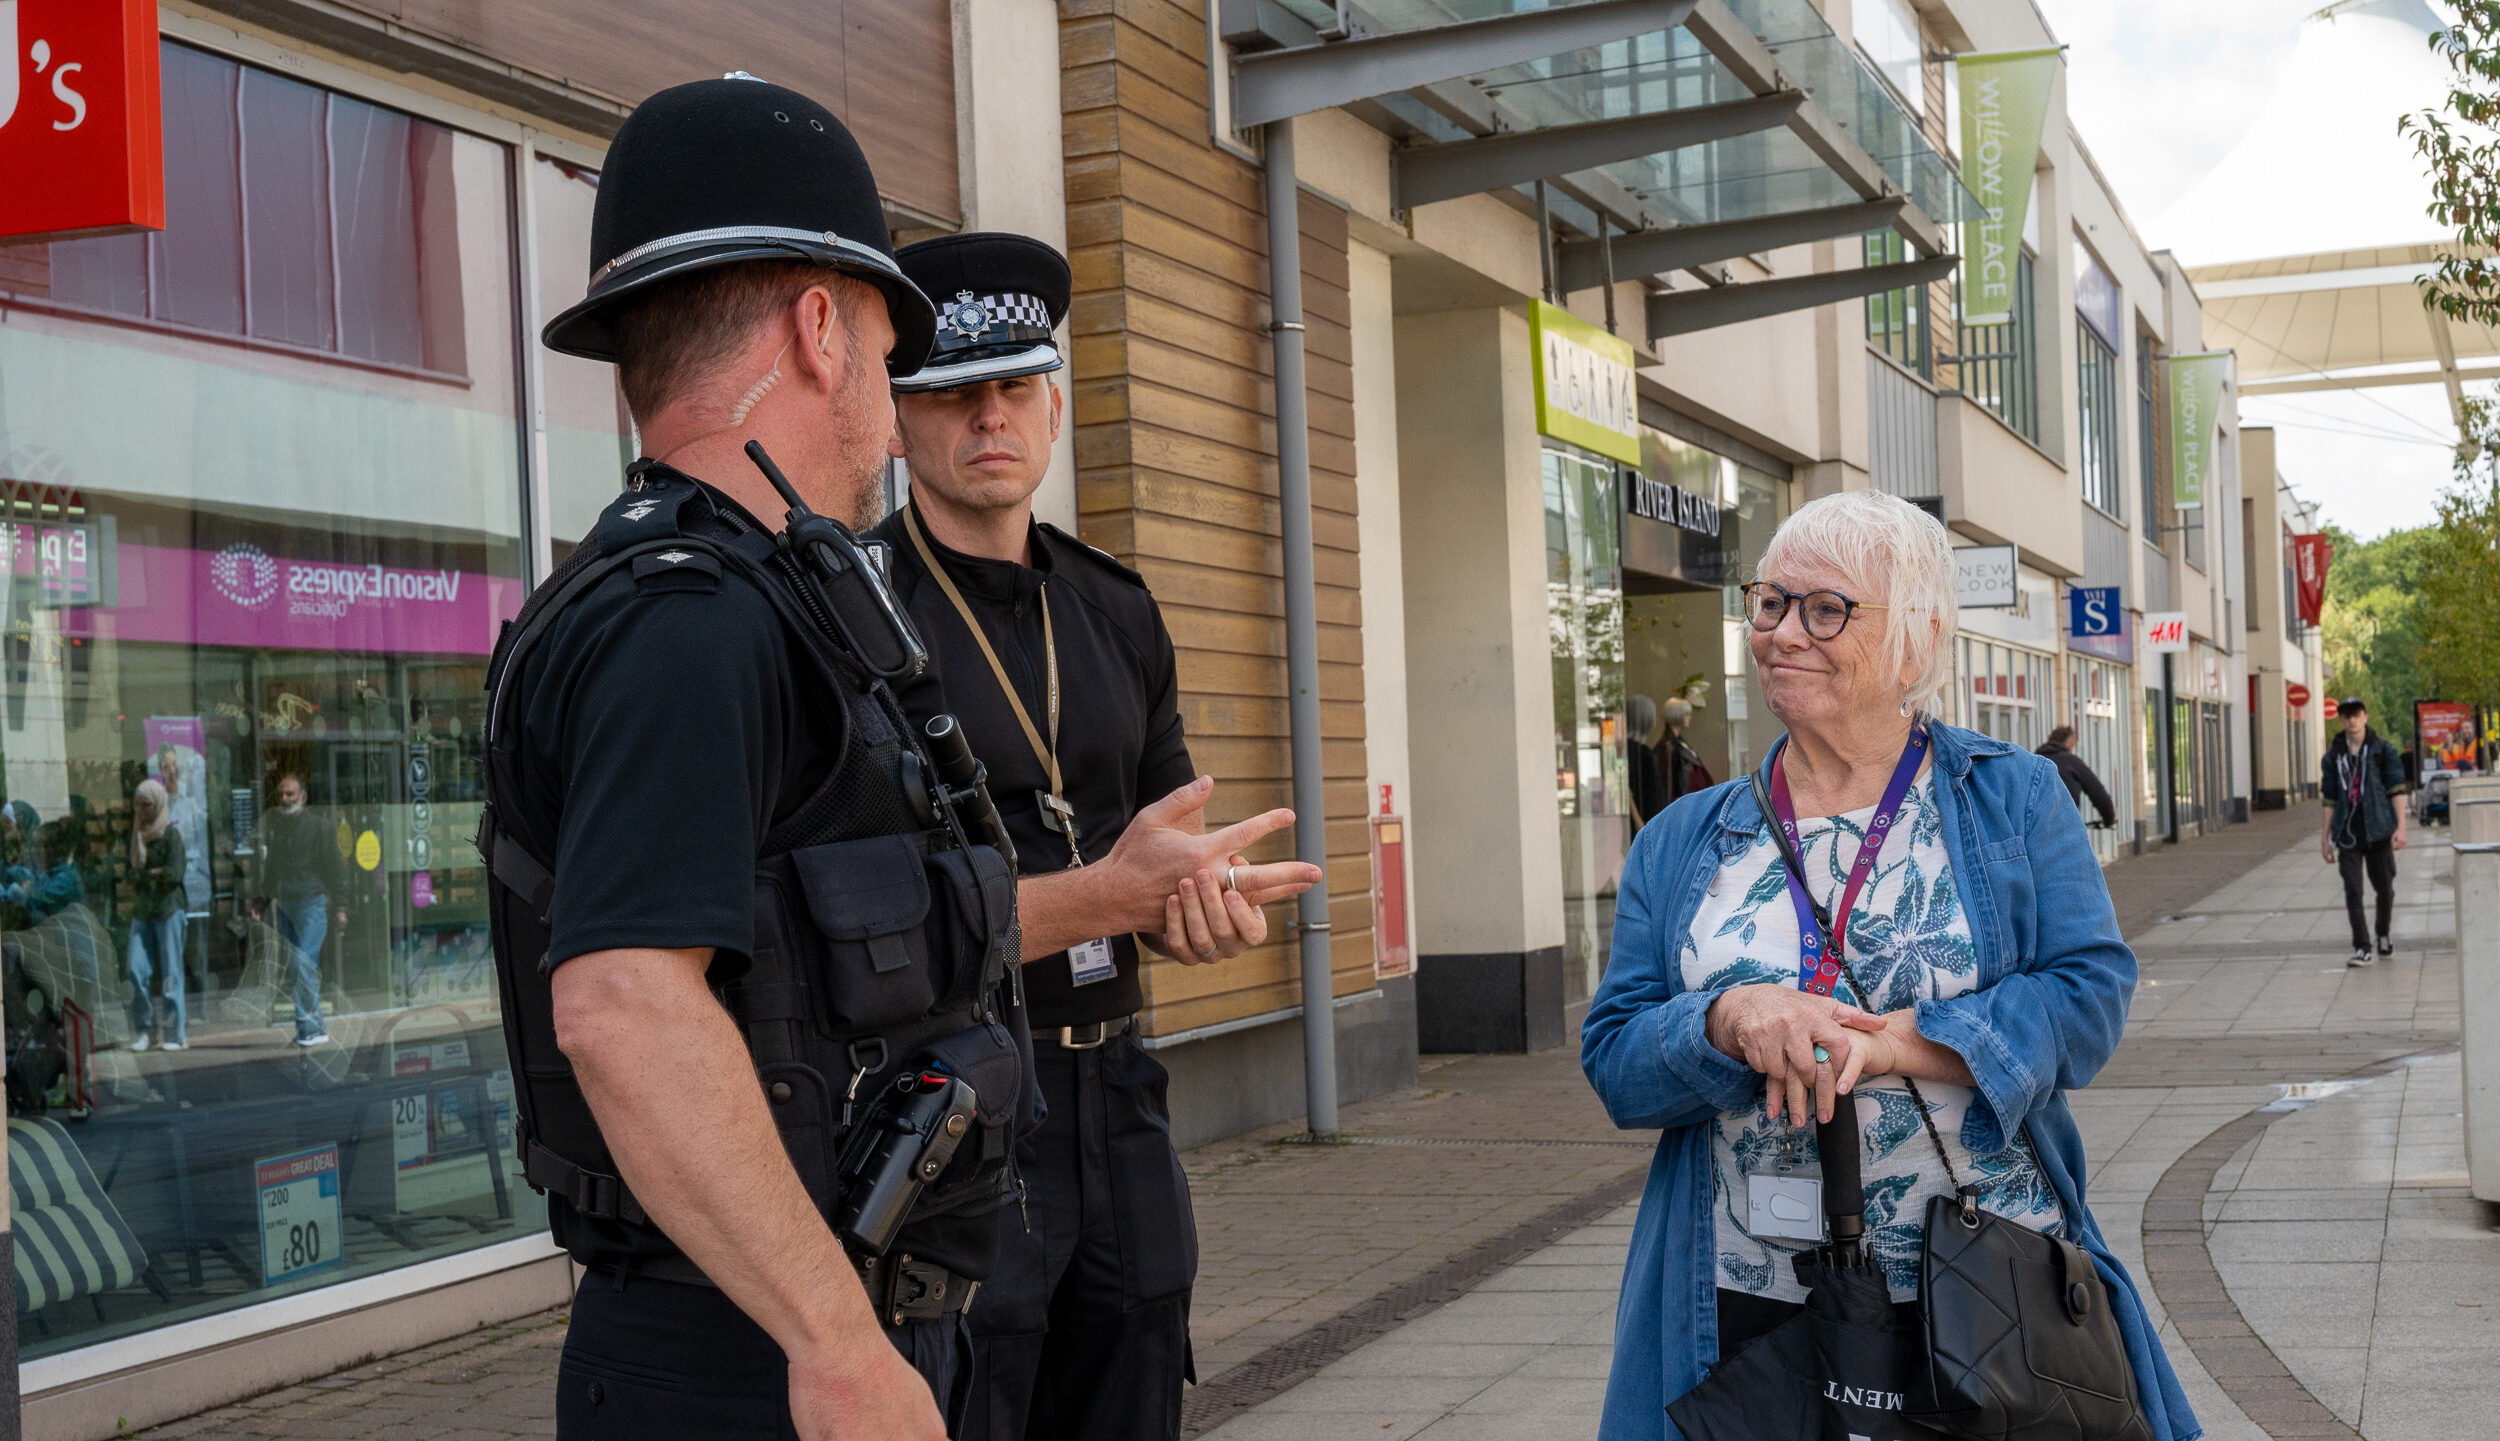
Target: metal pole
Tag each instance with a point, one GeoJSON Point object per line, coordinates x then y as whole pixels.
{"type": "Point", "coordinates": [1293, 494]}
{"type": "Point", "coordinates": [1606, 254]}
{"type": "Point", "coordinates": [1545, 245]}
{"type": "Point", "coordinates": [2169, 753]}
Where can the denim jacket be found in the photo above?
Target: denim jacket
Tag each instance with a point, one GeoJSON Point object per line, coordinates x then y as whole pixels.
{"type": "Point", "coordinates": [2055, 980]}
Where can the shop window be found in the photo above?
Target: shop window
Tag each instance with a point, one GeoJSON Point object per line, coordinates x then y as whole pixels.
{"type": "Point", "coordinates": [2096, 396]}
{"type": "Point", "coordinates": [295, 216]}
{"type": "Point", "coordinates": [1897, 320]}
{"type": "Point", "coordinates": [2147, 432]}
{"type": "Point", "coordinates": [260, 521]}
{"type": "Point", "coordinates": [590, 437]}
{"type": "Point", "coordinates": [1887, 30]}
{"type": "Point", "coordinates": [1584, 618]}
{"type": "Point", "coordinates": [2000, 364]}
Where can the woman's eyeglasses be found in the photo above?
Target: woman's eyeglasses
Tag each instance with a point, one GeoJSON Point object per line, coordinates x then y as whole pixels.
{"type": "Point", "coordinates": [1824, 613]}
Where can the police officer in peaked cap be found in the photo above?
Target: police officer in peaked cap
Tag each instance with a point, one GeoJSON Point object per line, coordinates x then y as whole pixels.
{"type": "Point", "coordinates": [1055, 659]}
{"type": "Point", "coordinates": [749, 955]}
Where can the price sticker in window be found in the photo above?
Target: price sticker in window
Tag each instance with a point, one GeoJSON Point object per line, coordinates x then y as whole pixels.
{"type": "Point", "coordinates": [299, 1214]}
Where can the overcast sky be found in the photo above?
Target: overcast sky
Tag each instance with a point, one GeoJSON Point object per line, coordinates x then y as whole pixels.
{"type": "Point", "coordinates": [2160, 92]}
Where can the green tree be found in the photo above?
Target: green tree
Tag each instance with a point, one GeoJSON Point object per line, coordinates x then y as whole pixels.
{"type": "Point", "coordinates": [2460, 568]}
{"type": "Point", "coordinates": [2373, 622]}
{"type": "Point", "coordinates": [2460, 144]}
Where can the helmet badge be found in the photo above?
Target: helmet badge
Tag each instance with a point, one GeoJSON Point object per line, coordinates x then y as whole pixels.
{"type": "Point", "coordinates": [965, 316]}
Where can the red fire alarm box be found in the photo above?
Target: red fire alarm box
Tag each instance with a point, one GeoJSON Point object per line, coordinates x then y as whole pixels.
{"type": "Point", "coordinates": [1393, 952]}
{"type": "Point", "coordinates": [82, 134]}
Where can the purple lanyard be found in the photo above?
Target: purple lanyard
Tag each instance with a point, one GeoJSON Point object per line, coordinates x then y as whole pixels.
{"type": "Point", "coordinates": [1818, 963]}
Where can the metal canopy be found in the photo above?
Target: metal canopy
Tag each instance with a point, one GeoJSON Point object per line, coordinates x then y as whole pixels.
{"type": "Point", "coordinates": [1737, 127]}
{"type": "Point", "coordinates": [1682, 314]}
{"type": "Point", "coordinates": [1580, 264]}
{"type": "Point", "coordinates": [1426, 173]}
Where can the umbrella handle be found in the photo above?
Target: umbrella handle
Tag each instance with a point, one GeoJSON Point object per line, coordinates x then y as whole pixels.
{"type": "Point", "coordinates": [1844, 1199]}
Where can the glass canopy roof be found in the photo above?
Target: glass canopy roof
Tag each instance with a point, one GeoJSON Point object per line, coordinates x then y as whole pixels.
{"type": "Point", "coordinates": [1769, 172]}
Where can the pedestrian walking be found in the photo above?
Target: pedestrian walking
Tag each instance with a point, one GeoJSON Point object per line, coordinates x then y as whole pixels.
{"type": "Point", "coordinates": [2077, 774]}
{"type": "Point", "coordinates": [158, 982]}
{"type": "Point", "coordinates": [296, 870]}
{"type": "Point", "coordinates": [1956, 886]}
{"type": "Point", "coordinates": [2363, 825]}
{"type": "Point", "coordinates": [1055, 660]}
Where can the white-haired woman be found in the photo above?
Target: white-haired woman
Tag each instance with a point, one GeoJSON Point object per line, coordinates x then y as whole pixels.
{"type": "Point", "coordinates": [158, 925]}
{"type": "Point", "coordinates": [1965, 899]}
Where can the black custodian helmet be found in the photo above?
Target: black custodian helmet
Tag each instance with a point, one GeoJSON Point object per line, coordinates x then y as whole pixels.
{"type": "Point", "coordinates": [999, 298]}
{"type": "Point", "coordinates": [728, 170]}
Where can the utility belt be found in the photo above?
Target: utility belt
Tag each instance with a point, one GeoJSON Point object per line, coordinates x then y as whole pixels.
{"type": "Point", "coordinates": [1087, 1037]}
{"type": "Point", "coordinates": [901, 1287]}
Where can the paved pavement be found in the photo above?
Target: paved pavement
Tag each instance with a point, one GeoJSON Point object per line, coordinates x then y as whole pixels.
{"type": "Point", "coordinates": [2317, 1268]}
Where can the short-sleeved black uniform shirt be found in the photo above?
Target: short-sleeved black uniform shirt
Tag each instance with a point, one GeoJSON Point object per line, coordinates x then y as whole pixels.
{"type": "Point", "coordinates": [666, 724]}
{"type": "Point", "coordinates": [1120, 742]}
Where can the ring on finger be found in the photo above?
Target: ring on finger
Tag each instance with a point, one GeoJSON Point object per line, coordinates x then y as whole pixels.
{"type": "Point", "coordinates": [1205, 953]}
{"type": "Point", "coordinates": [1229, 883]}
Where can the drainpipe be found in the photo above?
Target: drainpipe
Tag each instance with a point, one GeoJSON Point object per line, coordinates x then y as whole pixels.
{"type": "Point", "coordinates": [1293, 494]}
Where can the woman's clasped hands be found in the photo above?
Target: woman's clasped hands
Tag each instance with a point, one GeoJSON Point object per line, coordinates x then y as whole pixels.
{"type": "Point", "coordinates": [1809, 1049]}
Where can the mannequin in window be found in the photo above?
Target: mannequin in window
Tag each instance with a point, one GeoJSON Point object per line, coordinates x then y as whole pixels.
{"type": "Point", "coordinates": [1678, 763]}
{"type": "Point", "coordinates": [1649, 790]}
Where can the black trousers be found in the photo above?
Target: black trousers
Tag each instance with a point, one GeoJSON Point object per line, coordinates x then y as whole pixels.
{"type": "Point", "coordinates": [2378, 858]}
{"type": "Point", "coordinates": [655, 1360]}
{"type": "Point", "coordinates": [1083, 1329]}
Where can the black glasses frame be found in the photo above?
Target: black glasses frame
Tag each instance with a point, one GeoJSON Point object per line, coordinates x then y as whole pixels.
{"type": "Point", "coordinates": [1757, 600]}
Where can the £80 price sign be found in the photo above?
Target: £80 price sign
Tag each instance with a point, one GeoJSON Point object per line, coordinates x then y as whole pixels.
{"type": "Point", "coordinates": [299, 1214]}
{"type": "Point", "coordinates": [82, 139]}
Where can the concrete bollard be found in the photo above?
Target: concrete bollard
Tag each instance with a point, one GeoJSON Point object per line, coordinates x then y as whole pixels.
{"type": "Point", "coordinates": [2478, 982]}
{"type": "Point", "coordinates": [2473, 788]}
{"type": "Point", "coordinates": [2474, 818]}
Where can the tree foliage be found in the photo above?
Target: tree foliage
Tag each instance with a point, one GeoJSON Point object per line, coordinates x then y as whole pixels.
{"type": "Point", "coordinates": [2460, 575]}
{"type": "Point", "coordinates": [2460, 143]}
{"type": "Point", "coordinates": [2373, 621]}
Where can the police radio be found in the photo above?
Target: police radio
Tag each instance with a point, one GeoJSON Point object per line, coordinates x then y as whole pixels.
{"type": "Point", "coordinates": [857, 604]}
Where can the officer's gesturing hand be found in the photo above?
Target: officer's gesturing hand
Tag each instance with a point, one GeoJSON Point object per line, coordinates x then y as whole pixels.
{"type": "Point", "coordinates": [1165, 845]}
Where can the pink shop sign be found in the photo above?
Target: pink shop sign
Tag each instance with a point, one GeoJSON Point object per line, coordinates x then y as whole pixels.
{"type": "Point", "coordinates": [243, 596]}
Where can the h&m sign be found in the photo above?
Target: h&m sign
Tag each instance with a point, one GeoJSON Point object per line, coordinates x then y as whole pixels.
{"type": "Point", "coordinates": [1672, 504]}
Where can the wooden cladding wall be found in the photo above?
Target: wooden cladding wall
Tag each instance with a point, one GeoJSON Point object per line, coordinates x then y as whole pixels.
{"type": "Point", "coordinates": [899, 99]}
{"type": "Point", "coordinates": [1174, 405]}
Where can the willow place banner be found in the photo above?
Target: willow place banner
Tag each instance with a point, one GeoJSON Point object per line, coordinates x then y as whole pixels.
{"type": "Point", "coordinates": [2005, 105]}
{"type": "Point", "coordinates": [2196, 383]}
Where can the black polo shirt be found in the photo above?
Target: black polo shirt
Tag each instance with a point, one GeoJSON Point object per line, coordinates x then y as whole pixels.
{"type": "Point", "coordinates": [666, 726]}
{"type": "Point", "coordinates": [1120, 742]}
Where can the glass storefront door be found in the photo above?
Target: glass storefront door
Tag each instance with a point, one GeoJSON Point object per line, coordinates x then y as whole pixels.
{"type": "Point", "coordinates": [2004, 691]}
{"type": "Point", "coordinates": [1584, 618]}
{"type": "Point", "coordinates": [260, 519]}
{"type": "Point", "coordinates": [2096, 691]}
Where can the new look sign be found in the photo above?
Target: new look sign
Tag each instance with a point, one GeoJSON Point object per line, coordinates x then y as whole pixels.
{"type": "Point", "coordinates": [1584, 387]}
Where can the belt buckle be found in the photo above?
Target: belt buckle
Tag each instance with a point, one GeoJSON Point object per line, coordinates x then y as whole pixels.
{"type": "Point", "coordinates": [915, 1290]}
{"type": "Point", "coordinates": [1068, 1040]}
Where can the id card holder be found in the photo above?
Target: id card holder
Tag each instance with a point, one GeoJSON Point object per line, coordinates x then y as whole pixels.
{"type": "Point", "coordinates": [1784, 1194]}
{"type": "Point", "coordinates": [1090, 961]}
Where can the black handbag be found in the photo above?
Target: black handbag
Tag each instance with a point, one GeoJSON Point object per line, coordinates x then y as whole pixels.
{"type": "Point", "coordinates": [2019, 1340]}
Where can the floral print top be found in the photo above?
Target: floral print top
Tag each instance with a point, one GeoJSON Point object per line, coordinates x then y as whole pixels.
{"type": "Point", "coordinates": [1909, 941]}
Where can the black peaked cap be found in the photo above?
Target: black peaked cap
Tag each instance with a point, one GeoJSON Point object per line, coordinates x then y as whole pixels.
{"type": "Point", "coordinates": [999, 297]}
{"type": "Point", "coordinates": [729, 170]}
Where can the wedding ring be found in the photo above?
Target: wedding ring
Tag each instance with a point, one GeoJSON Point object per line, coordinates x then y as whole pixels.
{"type": "Point", "coordinates": [1228, 878]}
{"type": "Point", "coordinates": [1207, 954]}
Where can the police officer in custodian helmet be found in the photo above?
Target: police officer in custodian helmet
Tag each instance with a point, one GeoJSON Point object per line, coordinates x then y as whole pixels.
{"type": "Point", "coordinates": [755, 940]}
{"type": "Point", "coordinates": [1055, 658]}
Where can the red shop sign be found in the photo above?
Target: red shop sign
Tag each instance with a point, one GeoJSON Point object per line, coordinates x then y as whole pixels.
{"type": "Point", "coordinates": [2297, 694]}
{"type": "Point", "coordinates": [82, 138]}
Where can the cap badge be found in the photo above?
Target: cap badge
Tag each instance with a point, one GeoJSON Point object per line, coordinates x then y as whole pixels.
{"type": "Point", "coordinates": [965, 316]}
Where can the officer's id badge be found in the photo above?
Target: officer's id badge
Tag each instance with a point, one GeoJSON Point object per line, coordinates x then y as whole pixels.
{"type": "Point", "coordinates": [1090, 961]}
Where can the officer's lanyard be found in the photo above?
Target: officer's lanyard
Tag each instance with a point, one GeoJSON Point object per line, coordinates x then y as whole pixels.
{"type": "Point", "coordinates": [1056, 812]}
{"type": "Point", "coordinates": [1820, 942]}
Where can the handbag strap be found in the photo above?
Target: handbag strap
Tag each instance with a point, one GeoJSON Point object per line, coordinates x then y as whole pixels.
{"type": "Point", "coordinates": [1823, 917]}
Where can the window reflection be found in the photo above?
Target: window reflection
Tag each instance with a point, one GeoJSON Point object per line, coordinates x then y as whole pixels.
{"type": "Point", "coordinates": [259, 523]}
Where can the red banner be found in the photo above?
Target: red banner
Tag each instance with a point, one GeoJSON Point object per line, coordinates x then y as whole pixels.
{"type": "Point", "coordinates": [82, 140]}
{"type": "Point", "coordinates": [2310, 555]}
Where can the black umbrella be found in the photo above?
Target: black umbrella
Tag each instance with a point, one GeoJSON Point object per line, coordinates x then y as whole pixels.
{"type": "Point", "coordinates": [1837, 1371]}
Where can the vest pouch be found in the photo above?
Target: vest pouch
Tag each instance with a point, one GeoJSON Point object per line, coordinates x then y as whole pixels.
{"type": "Point", "coordinates": [984, 1057]}
{"type": "Point", "coordinates": [866, 904]}
{"type": "Point", "coordinates": [978, 895]}
{"type": "Point", "coordinates": [807, 1112]}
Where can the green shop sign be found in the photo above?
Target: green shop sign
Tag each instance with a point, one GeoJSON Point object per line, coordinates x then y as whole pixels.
{"type": "Point", "coordinates": [2005, 105]}
{"type": "Point", "coordinates": [1584, 389]}
{"type": "Point", "coordinates": [2195, 407]}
